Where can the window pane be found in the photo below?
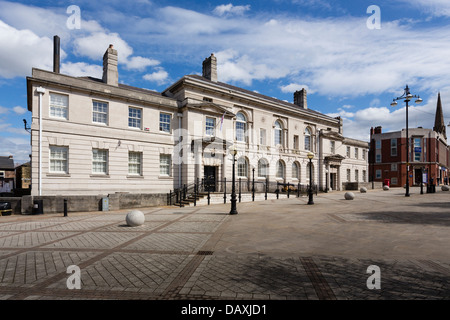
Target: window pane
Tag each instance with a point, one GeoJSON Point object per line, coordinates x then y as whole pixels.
{"type": "Point", "coordinates": [242, 167]}
{"type": "Point", "coordinates": [263, 168]}
{"type": "Point", "coordinates": [134, 163]}
{"type": "Point", "coordinates": [99, 112]}
{"type": "Point", "coordinates": [164, 122]}
{"type": "Point", "coordinates": [210, 126]}
{"type": "Point", "coordinates": [134, 117]}
{"type": "Point", "coordinates": [164, 164]}
{"type": "Point", "coordinates": [58, 159]}
{"type": "Point", "coordinates": [99, 161]}
{"type": "Point", "coordinates": [280, 169]}
{"type": "Point", "coordinates": [58, 105]}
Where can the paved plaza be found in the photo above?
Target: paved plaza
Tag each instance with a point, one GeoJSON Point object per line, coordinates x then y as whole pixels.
{"type": "Point", "coordinates": [272, 250]}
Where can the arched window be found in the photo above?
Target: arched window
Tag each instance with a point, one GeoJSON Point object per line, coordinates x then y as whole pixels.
{"type": "Point", "coordinates": [278, 133]}
{"type": "Point", "coordinates": [295, 171]}
{"type": "Point", "coordinates": [242, 167]}
{"type": "Point", "coordinates": [241, 126]}
{"type": "Point", "coordinates": [280, 169]}
{"type": "Point", "coordinates": [263, 168]}
{"type": "Point", "coordinates": [308, 139]}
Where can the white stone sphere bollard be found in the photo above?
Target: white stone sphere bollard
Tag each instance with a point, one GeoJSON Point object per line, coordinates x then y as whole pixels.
{"type": "Point", "coordinates": [445, 188]}
{"type": "Point", "coordinates": [349, 196]}
{"type": "Point", "coordinates": [386, 188]}
{"type": "Point", "coordinates": [363, 190]}
{"type": "Point", "coordinates": [135, 218]}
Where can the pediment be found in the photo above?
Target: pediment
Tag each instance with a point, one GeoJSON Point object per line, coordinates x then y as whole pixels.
{"type": "Point", "coordinates": [211, 107]}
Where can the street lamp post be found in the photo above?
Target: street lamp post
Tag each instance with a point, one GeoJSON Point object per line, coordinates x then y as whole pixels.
{"type": "Point", "coordinates": [407, 96]}
{"type": "Point", "coordinates": [233, 152]}
{"type": "Point", "coordinates": [310, 191]}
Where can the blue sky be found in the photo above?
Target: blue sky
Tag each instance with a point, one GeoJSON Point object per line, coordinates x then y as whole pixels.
{"type": "Point", "coordinates": [274, 47]}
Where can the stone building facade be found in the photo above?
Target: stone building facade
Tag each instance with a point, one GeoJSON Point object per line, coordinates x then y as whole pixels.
{"type": "Point", "coordinates": [98, 136]}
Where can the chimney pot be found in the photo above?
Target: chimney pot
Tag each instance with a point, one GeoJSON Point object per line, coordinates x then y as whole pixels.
{"type": "Point", "coordinates": [210, 68]}
{"type": "Point", "coordinates": [300, 99]}
{"type": "Point", "coordinates": [110, 71]}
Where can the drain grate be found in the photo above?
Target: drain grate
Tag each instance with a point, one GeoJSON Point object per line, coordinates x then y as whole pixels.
{"type": "Point", "coordinates": [205, 253]}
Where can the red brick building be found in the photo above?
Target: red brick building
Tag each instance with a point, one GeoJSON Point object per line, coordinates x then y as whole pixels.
{"type": "Point", "coordinates": [429, 154]}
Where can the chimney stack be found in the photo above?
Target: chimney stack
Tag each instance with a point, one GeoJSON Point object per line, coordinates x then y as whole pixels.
{"type": "Point", "coordinates": [110, 71]}
{"type": "Point", "coordinates": [300, 99]}
{"type": "Point", "coordinates": [56, 54]}
{"type": "Point", "coordinates": [210, 68]}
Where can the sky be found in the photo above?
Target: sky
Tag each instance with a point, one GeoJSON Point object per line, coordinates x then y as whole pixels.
{"type": "Point", "coordinates": [353, 57]}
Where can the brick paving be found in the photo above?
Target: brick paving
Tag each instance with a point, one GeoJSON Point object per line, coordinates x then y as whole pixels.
{"type": "Point", "coordinates": [272, 250]}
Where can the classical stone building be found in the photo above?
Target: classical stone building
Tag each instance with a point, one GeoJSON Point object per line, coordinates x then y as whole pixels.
{"type": "Point", "coordinates": [98, 136]}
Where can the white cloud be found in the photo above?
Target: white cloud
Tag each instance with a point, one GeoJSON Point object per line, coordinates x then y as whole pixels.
{"type": "Point", "coordinates": [159, 76]}
{"type": "Point", "coordinates": [19, 110]}
{"type": "Point", "coordinates": [3, 110]}
{"type": "Point", "coordinates": [291, 88]}
{"type": "Point", "coordinates": [230, 9]}
{"type": "Point", "coordinates": [21, 50]}
{"type": "Point", "coordinates": [82, 69]}
{"type": "Point", "coordinates": [437, 8]}
{"type": "Point", "coordinates": [140, 63]}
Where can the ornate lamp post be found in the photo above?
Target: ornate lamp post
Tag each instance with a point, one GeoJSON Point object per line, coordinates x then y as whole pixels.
{"type": "Point", "coordinates": [310, 191]}
{"type": "Point", "coordinates": [233, 152]}
{"type": "Point", "coordinates": [407, 96]}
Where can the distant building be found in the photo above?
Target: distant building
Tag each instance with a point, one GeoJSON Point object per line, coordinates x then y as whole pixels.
{"type": "Point", "coordinates": [98, 136]}
{"type": "Point", "coordinates": [428, 157]}
{"type": "Point", "coordinates": [23, 176]}
{"type": "Point", "coordinates": [7, 175]}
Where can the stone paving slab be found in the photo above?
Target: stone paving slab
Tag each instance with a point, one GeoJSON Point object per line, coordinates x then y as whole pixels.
{"type": "Point", "coordinates": [272, 250]}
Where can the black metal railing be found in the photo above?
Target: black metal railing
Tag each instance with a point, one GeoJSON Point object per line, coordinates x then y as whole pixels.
{"type": "Point", "coordinates": [192, 192]}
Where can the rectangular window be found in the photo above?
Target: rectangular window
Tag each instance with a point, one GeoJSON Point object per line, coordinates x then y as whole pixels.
{"type": "Point", "coordinates": [393, 147]}
{"type": "Point", "coordinates": [58, 159]}
{"type": "Point", "coordinates": [393, 167]}
{"type": "Point", "coordinates": [378, 174]}
{"type": "Point", "coordinates": [378, 144]}
{"type": "Point", "coordinates": [134, 163]}
{"type": "Point", "coordinates": [99, 161]}
{"type": "Point", "coordinates": [378, 158]}
{"type": "Point", "coordinates": [357, 175]}
{"type": "Point", "coordinates": [164, 122]}
{"type": "Point", "coordinates": [348, 175]}
{"type": "Point", "coordinates": [240, 131]}
{"type": "Point", "coordinates": [364, 154]}
{"type": "Point", "coordinates": [2, 174]}
{"type": "Point", "coordinates": [332, 147]}
{"type": "Point", "coordinates": [262, 137]}
{"type": "Point", "coordinates": [364, 176]}
{"type": "Point", "coordinates": [356, 153]}
{"type": "Point", "coordinates": [99, 112]}
{"type": "Point", "coordinates": [418, 149]}
{"type": "Point", "coordinates": [134, 117]}
{"type": "Point", "coordinates": [348, 152]}
{"type": "Point", "coordinates": [296, 142]}
{"type": "Point", "coordinates": [394, 181]}
{"type": "Point", "coordinates": [164, 164]}
{"type": "Point", "coordinates": [210, 126]}
{"type": "Point", "coordinates": [58, 105]}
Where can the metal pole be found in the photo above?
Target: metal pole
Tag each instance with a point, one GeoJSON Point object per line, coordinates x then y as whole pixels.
{"type": "Point", "coordinates": [240, 190]}
{"type": "Point", "coordinates": [224, 190]}
{"type": "Point", "coordinates": [253, 186]}
{"type": "Point", "coordinates": [233, 189]}
{"type": "Point", "coordinates": [407, 147]}
{"type": "Point", "coordinates": [310, 201]}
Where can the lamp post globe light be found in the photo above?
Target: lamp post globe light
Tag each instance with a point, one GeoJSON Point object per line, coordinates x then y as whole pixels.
{"type": "Point", "coordinates": [310, 191]}
{"type": "Point", "coordinates": [407, 96]}
{"type": "Point", "coordinates": [233, 152]}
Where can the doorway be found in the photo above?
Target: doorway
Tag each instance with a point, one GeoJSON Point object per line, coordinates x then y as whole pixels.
{"type": "Point", "coordinates": [210, 178]}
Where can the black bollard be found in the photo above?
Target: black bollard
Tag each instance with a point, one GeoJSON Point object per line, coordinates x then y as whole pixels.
{"type": "Point", "coordinates": [65, 207]}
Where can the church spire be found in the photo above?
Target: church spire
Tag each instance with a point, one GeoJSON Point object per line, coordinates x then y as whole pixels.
{"type": "Point", "coordinates": [439, 124]}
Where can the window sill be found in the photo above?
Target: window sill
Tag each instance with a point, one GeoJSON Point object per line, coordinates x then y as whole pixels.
{"type": "Point", "coordinates": [165, 177]}
{"type": "Point", "coordinates": [135, 177]}
{"type": "Point", "coordinates": [100, 176]}
{"type": "Point", "coordinates": [58, 175]}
